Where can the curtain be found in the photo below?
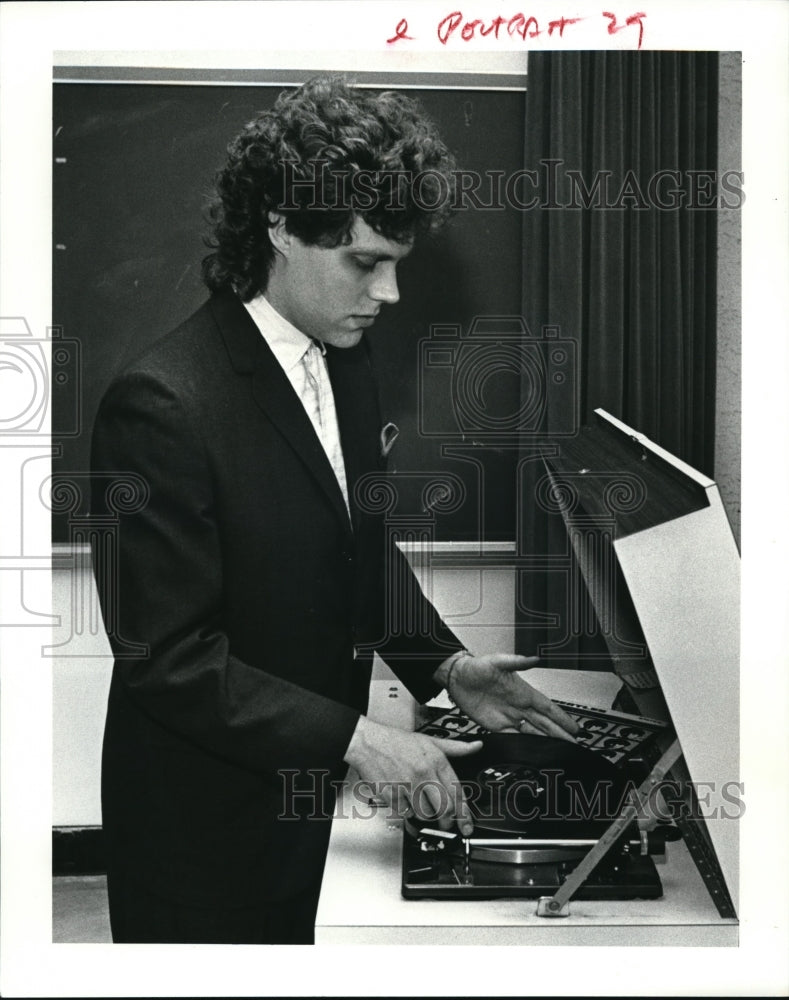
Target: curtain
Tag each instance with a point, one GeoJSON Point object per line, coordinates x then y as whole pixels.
{"type": "Point", "coordinates": [620, 260]}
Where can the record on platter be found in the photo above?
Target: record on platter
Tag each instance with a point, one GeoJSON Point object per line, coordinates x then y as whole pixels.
{"type": "Point", "coordinates": [538, 786]}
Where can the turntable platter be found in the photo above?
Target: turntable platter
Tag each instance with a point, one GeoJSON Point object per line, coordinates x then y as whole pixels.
{"type": "Point", "coordinates": [540, 787]}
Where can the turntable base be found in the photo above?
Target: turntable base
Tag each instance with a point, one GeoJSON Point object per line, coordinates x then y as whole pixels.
{"type": "Point", "coordinates": [449, 877]}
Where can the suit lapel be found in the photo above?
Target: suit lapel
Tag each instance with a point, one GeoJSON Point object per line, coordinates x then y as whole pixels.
{"type": "Point", "coordinates": [272, 391]}
{"type": "Point", "coordinates": [357, 413]}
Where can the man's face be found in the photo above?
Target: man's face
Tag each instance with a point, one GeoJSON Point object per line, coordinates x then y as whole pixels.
{"type": "Point", "coordinates": [334, 294]}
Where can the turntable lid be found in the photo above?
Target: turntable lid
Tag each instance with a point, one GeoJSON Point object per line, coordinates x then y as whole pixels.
{"type": "Point", "coordinates": [683, 576]}
{"type": "Point", "coordinates": [680, 563]}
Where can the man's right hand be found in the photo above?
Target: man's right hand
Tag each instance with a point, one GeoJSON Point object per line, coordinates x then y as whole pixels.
{"type": "Point", "coordinates": [411, 772]}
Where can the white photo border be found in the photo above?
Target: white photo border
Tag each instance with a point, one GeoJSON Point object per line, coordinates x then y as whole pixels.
{"type": "Point", "coordinates": [352, 36]}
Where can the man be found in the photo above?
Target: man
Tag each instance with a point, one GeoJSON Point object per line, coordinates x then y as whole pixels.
{"type": "Point", "coordinates": [256, 574]}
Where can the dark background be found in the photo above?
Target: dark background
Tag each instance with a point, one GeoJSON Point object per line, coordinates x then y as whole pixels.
{"type": "Point", "coordinates": [133, 172]}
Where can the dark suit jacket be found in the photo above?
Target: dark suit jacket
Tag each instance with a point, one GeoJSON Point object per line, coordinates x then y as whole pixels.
{"type": "Point", "coordinates": [245, 580]}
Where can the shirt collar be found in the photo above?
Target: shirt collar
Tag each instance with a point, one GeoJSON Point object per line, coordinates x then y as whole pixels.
{"type": "Point", "coordinates": [287, 343]}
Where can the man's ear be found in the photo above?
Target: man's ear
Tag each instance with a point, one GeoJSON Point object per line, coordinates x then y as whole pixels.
{"type": "Point", "coordinates": [278, 234]}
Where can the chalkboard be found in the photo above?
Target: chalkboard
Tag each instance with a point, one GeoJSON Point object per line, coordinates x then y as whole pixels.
{"type": "Point", "coordinates": [133, 171]}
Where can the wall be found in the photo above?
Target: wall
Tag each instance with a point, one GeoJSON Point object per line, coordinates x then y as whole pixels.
{"type": "Point", "coordinates": [80, 682]}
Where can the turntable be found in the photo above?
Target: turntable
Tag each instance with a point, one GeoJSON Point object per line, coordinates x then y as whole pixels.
{"type": "Point", "coordinates": [651, 547]}
{"type": "Point", "coordinates": [540, 806]}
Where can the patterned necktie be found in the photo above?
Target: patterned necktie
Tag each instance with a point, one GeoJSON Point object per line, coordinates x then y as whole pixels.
{"type": "Point", "coordinates": [318, 401]}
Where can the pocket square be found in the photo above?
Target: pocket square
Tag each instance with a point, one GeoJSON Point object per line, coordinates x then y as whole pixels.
{"type": "Point", "coordinates": [389, 434]}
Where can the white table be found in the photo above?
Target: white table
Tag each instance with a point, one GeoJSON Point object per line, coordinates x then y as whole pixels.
{"type": "Point", "coordinates": [361, 901]}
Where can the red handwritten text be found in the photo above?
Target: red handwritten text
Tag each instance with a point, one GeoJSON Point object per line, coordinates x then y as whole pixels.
{"type": "Point", "coordinates": [561, 24]}
{"type": "Point", "coordinates": [457, 26]}
{"type": "Point", "coordinates": [613, 27]}
{"type": "Point", "coordinates": [400, 32]}
{"type": "Point", "coordinates": [518, 24]}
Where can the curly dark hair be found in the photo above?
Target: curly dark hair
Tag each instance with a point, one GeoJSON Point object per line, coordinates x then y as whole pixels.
{"type": "Point", "coordinates": [325, 154]}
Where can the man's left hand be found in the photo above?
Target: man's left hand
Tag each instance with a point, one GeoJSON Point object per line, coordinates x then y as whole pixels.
{"type": "Point", "coordinates": [489, 690]}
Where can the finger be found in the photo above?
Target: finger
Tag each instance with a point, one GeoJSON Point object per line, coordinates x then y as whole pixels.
{"type": "Point", "coordinates": [524, 726]}
{"type": "Point", "coordinates": [463, 814]}
{"type": "Point", "coordinates": [401, 804]}
{"type": "Point", "coordinates": [459, 809]}
{"type": "Point", "coordinates": [433, 802]}
{"type": "Point", "coordinates": [559, 717]}
{"type": "Point", "coordinates": [512, 662]}
{"type": "Point", "coordinates": [456, 748]}
{"type": "Point", "coordinates": [545, 726]}
{"type": "Point", "coordinates": [542, 705]}
{"type": "Point", "coordinates": [440, 799]}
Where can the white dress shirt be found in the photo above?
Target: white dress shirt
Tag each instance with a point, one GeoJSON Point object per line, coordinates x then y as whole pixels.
{"type": "Point", "coordinates": [304, 364]}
